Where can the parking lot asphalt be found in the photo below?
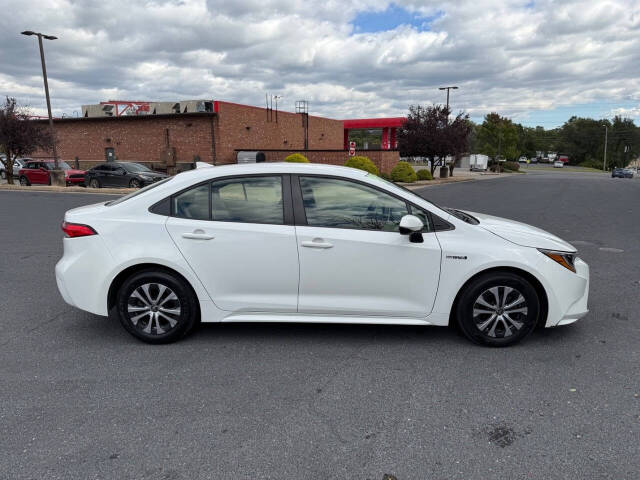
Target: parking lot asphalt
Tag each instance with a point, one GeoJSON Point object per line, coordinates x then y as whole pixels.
{"type": "Point", "coordinates": [81, 399]}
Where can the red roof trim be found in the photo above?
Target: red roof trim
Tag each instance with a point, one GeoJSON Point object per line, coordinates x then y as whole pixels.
{"type": "Point", "coordinates": [374, 122]}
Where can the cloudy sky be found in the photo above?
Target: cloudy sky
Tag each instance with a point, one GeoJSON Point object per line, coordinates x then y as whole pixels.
{"type": "Point", "coordinates": [539, 62]}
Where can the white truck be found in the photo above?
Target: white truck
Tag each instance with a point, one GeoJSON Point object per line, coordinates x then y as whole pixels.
{"type": "Point", "coordinates": [478, 162]}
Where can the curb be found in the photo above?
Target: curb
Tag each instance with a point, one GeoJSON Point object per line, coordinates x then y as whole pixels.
{"type": "Point", "coordinates": [50, 189]}
{"type": "Point", "coordinates": [433, 183]}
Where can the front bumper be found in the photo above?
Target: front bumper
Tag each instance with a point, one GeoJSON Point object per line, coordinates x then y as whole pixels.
{"type": "Point", "coordinates": [569, 294]}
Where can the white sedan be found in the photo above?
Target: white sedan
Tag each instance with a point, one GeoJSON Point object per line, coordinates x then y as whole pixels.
{"type": "Point", "coordinates": [312, 243]}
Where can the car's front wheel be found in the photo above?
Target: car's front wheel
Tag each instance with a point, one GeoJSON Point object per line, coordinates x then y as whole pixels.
{"type": "Point", "coordinates": [135, 183]}
{"type": "Point", "coordinates": [498, 309]}
{"type": "Point", "coordinates": [156, 306]}
{"type": "Point", "coordinates": [3, 174]}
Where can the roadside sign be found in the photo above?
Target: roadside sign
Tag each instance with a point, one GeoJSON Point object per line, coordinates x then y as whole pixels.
{"type": "Point", "coordinates": [352, 145]}
{"type": "Point", "coordinates": [352, 152]}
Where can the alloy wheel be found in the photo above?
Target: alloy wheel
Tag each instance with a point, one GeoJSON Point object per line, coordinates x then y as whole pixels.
{"type": "Point", "coordinates": [500, 311]}
{"type": "Point", "coordinates": [153, 308]}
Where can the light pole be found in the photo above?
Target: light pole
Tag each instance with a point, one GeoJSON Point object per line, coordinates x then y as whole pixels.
{"type": "Point", "coordinates": [604, 161]}
{"type": "Point", "coordinates": [447, 89]}
{"type": "Point", "coordinates": [46, 89]}
{"type": "Point", "coordinates": [277, 97]}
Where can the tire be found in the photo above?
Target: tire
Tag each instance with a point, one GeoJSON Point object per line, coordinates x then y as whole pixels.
{"type": "Point", "coordinates": [135, 183]}
{"type": "Point", "coordinates": [3, 174]}
{"type": "Point", "coordinates": [150, 291]}
{"type": "Point", "coordinates": [94, 183]}
{"type": "Point", "coordinates": [499, 326]}
{"type": "Point", "coordinates": [24, 181]}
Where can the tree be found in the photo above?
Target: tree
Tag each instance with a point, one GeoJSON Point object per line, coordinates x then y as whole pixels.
{"type": "Point", "coordinates": [460, 133]}
{"type": "Point", "coordinates": [498, 137]}
{"type": "Point", "coordinates": [429, 133]}
{"type": "Point", "coordinates": [582, 139]}
{"type": "Point", "coordinates": [19, 135]}
{"type": "Point", "coordinates": [624, 142]}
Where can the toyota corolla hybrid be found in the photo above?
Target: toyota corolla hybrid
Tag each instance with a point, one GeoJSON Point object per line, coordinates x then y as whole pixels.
{"type": "Point", "coordinates": [312, 243]}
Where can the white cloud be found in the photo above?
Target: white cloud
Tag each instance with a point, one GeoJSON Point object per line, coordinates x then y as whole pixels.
{"type": "Point", "coordinates": [512, 56]}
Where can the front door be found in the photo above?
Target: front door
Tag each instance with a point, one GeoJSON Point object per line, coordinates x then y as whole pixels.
{"type": "Point", "coordinates": [237, 235]}
{"type": "Point", "coordinates": [110, 154]}
{"type": "Point", "coordinates": [353, 260]}
{"type": "Point", "coordinates": [40, 174]}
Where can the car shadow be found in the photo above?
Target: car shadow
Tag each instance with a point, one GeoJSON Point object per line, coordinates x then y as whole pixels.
{"type": "Point", "coordinates": [102, 329]}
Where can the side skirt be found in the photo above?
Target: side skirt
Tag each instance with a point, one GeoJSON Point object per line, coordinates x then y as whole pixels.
{"type": "Point", "coordinates": [310, 318]}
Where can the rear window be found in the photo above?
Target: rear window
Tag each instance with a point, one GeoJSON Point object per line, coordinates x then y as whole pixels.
{"type": "Point", "coordinates": [137, 192]}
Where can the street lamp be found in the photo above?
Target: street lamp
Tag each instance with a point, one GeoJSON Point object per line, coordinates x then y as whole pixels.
{"type": "Point", "coordinates": [46, 91]}
{"type": "Point", "coordinates": [447, 89]}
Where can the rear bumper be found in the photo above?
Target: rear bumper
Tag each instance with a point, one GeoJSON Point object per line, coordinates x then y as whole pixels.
{"type": "Point", "coordinates": [80, 274]}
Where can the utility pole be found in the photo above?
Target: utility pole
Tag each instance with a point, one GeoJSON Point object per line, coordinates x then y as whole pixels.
{"type": "Point", "coordinates": [46, 89]}
{"type": "Point", "coordinates": [499, 150]}
{"type": "Point", "coordinates": [447, 89]}
{"type": "Point", "coordinates": [604, 161]}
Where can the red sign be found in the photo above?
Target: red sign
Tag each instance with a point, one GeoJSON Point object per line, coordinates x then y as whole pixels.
{"type": "Point", "coordinates": [352, 145]}
{"type": "Point", "coordinates": [352, 152]}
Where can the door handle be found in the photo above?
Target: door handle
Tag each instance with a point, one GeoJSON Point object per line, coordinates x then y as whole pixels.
{"type": "Point", "coordinates": [197, 235]}
{"type": "Point", "coordinates": [317, 243]}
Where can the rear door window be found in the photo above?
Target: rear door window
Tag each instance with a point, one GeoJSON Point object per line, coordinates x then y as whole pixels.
{"type": "Point", "coordinates": [248, 200]}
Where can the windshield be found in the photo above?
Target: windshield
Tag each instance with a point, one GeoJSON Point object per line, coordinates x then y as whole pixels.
{"type": "Point", "coordinates": [137, 192]}
{"type": "Point", "coordinates": [136, 167]}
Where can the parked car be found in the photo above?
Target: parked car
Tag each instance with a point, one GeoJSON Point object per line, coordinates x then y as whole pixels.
{"type": "Point", "coordinates": [563, 158]}
{"type": "Point", "coordinates": [523, 159]}
{"type": "Point", "coordinates": [622, 173]}
{"type": "Point", "coordinates": [294, 242]}
{"type": "Point", "coordinates": [122, 174]}
{"type": "Point", "coordinates": [558, 164]}
{"type": "Point", "coordinates": [18, 163]}
{"type": "Point", "coordinates": [37, 172]}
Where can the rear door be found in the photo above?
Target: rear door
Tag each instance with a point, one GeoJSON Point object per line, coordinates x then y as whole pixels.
{"type": "Point", "coordinates": [237, 234]}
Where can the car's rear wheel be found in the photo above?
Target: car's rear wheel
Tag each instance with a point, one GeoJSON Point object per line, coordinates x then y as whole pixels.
{"type": "Point", "coordinates": [94, 183]}
{"type": "Point", "coordinates": [135, 183]}
{"type": "Point", "coordinates": [156, 306]}
{"type": "Point", "coordinates": [24, 181]}
{"type": "Point", "coordinates": [498, 309]}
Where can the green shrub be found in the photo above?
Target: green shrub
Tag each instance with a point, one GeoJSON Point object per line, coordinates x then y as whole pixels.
{"type": "Point", "coordinates": [296, 158]}
{"type": "Point", "coordinates": [591, 163]}
{"type": "Point", "coordinates": [403, 172]}
{"type": "Point", "coordinates": [424, 174]}
{"type": "Point", "coordinates": [385, 175]}
{"type": "Point", "coordinates": [513, 166]}
{"type": "Point", "coordinates": [362, 163]}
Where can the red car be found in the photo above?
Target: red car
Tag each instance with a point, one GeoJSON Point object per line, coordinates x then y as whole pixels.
{"type": "Point", "coordinates": [37, 172]}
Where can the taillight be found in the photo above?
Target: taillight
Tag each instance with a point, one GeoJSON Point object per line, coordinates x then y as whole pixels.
{"type": "Point", "coordinates": [73, 230]}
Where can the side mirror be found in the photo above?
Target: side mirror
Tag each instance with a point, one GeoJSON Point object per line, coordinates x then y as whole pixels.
{"type": "Point", "coordinates": [412, 226]}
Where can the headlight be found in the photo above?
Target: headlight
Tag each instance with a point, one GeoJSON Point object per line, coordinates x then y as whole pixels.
{"type": "Point", "coordinates": [567, 260]}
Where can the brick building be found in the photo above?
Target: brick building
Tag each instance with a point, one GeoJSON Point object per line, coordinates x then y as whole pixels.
{"type": "Point", "coordinates": [174, 141]}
